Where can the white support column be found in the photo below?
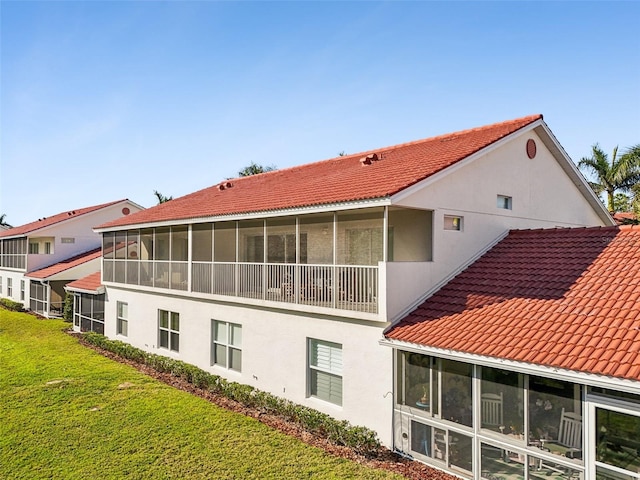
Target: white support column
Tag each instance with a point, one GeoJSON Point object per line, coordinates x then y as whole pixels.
{"type": "Point", "coordinates": [189, 256]}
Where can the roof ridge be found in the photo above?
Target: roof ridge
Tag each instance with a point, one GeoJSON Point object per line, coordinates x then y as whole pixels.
{"type": "Point", "coordinates": [36, 224]}
{"type": "Point", "coordinates": [567, 229]}
{"type": "Point", "coordinates": [528, 118]}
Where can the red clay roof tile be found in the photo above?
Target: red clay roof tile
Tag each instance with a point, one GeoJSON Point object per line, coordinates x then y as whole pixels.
{"type": "Point", "coordinates": [337, 180]}
{"type": "Point", "coordinates": [65, 264]}
{"type": "Point", "coordinates": [90, 283]}
{"type": "Point", "coordinates": [47, 221]}
{"type": "Point", "coordinates": [586, 318]}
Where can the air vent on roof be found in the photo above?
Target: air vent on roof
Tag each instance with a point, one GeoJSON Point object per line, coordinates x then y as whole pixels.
{"type": "Point", "coordinates": [372, 157]}
{"type": "Point", "coordinates": [225, 185]}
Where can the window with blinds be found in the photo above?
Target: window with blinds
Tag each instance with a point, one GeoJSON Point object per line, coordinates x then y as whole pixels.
{"type": "Point", "coordinates": [325, 370]}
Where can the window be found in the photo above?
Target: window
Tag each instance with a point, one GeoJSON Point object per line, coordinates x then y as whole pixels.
{"type": "Point", "coordinates": [47, 248]}
{"type": "Point", "coordinates": [22, 290]}
{"type": "Point", "coordinates": [9, 287]}
{"type": "Point", "coordinates": [169, 330]}
{"type": "Point", "coordinates": [34, 248]}
{"type": "Point", "coordinates": [0, 285]}
{"type": "Point", "coordinates": [452, 223]}
{"type": "Point", "coordinates": [504, 202]}
{"type": "Point", "coordinates": [67, 240]}
{"type": "Point", "coordinates": [617, 443]}
{"type": "Point", "coordinates": [227, 345]}
{"type": "Point", "coordinates": [325, 370]}
{"type": "Point", "coordinates": [122, 322]}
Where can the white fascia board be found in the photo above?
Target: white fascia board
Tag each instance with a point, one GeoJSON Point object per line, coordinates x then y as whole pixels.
{"type": "Point", "coordinates": [572, 171]}
{"type": "Point", "coordinates": [398, 197]}
{"type": "Point", "coordinates": [100, 290]}
{"type": "Point", "coordinates": [12, 237]}
{"type": "Point", "coordinates": [591, 379]}
{"type": "Point", "coordinates": [325, 208]}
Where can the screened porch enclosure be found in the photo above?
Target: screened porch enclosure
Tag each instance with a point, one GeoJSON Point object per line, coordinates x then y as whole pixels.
{"type": "Point", "coordinates": [326, 259]}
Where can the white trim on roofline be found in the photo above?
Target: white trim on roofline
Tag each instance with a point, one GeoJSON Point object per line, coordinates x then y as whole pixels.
{"type": "Point", "coordinates": [328, 207]}
{"type": "Point", "coordinates": [550, 141]}
{"type": "Point", "coordinates": [570, 168]}
{"type": "Point", "coordinates": [398, 197]}
{"type": "Point", "coordinates": [591, 379]}
{"type": "Point", "coordinates": [98, 291]}
{"type": "Point", "coordinates": [423, 298]}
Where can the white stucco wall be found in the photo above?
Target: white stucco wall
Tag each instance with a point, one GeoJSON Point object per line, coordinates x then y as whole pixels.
{"type": "Point", "coordinates": [543, 196]}
{"type": "Point", "coordinates": [15, 277]}
{"type": "Point", "coordinates": [81, 229]}
{"type": "Point", "coordinates": [274, 351]}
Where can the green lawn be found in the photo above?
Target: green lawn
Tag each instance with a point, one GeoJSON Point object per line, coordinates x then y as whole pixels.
{"type": "Point", "coordinates": [66, 412]}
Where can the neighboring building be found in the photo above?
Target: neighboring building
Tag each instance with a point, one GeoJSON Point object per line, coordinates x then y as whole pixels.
{"type": "Point", "coordinates": [37, 259]}
{"type": "Point", "coordinates": [286, 280]}
{"type": "Point", "coordinates": [626, 218]}
{"type": "Point", "coordinates": [527, 362]}
{"type": "Point", "coordinates": [88, 303]}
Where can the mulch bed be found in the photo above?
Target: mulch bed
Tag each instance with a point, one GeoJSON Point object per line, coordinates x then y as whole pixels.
{"type": "Point", "coordinates": [385, 460]}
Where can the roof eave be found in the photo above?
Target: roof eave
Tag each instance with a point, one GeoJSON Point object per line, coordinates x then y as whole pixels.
{"type": "Point", "coordinates": [592, 379]}
{"type": "Point", "coordinates": [332, 207]}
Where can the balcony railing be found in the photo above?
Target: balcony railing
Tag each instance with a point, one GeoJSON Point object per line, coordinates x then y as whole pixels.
{"type": "Point", "coordinates": [345, 287]}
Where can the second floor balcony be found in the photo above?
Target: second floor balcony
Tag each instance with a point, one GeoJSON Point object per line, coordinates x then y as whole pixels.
{"type": "Point", "coordinates": [331, 260]}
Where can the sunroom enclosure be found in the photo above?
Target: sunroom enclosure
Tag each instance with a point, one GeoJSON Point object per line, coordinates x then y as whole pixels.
{"type": "Point", "coordinates": [481, 422]}
{"type": "Point", "coordinates": [323, 259]}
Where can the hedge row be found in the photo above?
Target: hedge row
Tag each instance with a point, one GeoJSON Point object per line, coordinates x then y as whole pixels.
{"type": "Point", "coordinates": [11, 305]}
{"type": "Point", "coordinates": [362, 440]}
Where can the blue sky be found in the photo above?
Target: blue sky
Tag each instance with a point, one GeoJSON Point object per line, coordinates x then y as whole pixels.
{"type": "Point", "coordinates": [107, 100]}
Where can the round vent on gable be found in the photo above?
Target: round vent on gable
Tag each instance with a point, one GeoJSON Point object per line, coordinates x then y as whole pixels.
{"type": "Point", "coordinates": [531, 148]}
{"type": "Point", "coordinates": [126, 211]}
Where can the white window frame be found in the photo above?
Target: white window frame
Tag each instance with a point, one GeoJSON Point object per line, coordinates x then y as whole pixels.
{"type": "Point", "coordinates": [504, 202]}
{"type": "Point", "coordinates": [0, 285]}
{"type": "Point", "coordinates": [22, 289]}
{"type": "Point", "coordinates": [9, 287]}
{"type": "Point", "coordinates": [230, 343]}
{"type": "Point", "coordinates": [34, 248]}
{"type": "Point", "coordinates": [122, 319]}
{"type": "Point", "coordinates": [324, 363]}
{"type": "Point", "coordinates": [48, 250]}
{"type": "Point", "coordinates": [173, 334]}
{"type": "Point", "coordinates": [453, 223]}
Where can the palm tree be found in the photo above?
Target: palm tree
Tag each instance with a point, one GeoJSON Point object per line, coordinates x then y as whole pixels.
{"type": "Point", "coordinates": [3, 222]}
{"type": "Point", "coordinates": [161, 198]}
{"type": "Point", "coordinates": [622, 173]}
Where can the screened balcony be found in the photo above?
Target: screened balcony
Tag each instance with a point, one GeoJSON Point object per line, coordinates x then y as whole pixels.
{"type": "Point", "coordinates": [327, 260]}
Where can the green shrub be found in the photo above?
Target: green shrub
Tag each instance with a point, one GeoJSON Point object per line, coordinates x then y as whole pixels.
{"type": "Point", "coordinates": [11, 305]}
{"type": "Point", "coordinates": [361, 439]}
{"type": "Point", "coordinates": [67, 313]}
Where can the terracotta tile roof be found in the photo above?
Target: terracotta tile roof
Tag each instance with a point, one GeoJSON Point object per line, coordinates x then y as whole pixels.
{"type": "Point", "coordinates": [625, 218]}
{"type": "Point", "coordinates": [47, 221]}
{"type": "Point", "coordinates": [66, 264]}
{"type": "Point", "coordinates": [340, 179]}
{"type": "Point", "coordinates": [90, 283]}
{"type": "Point", "coordinates": [567, 298]}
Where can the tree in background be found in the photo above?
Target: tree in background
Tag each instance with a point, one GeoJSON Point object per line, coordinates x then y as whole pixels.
{"type": "Point", "coordinates": [635, 202]}
{"type": "Point", "coordinates": [161, 198]}
{"type": "Point", "coordinates": [620, 174]}
{"type": "Point", "coordinates": [3, 221]}
{"type": "Point", "coordinates": [621, 202]}
{"type": "Point", "coordinates": [254, 169]}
